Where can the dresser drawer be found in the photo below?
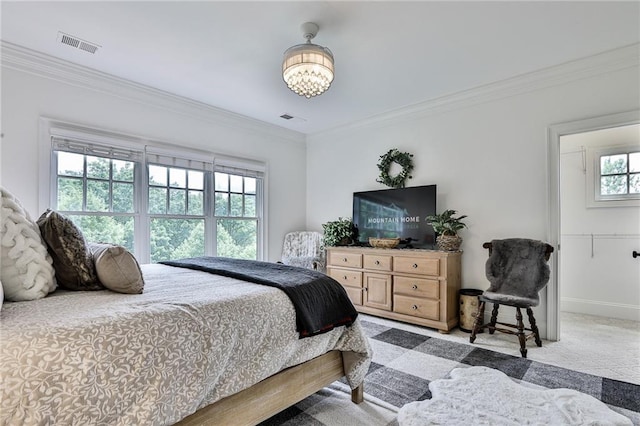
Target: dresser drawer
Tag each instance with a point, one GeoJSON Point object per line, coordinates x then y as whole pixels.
{"type": "Point", "coordinates": [377, 262]}
{"type": "Point", "coordinates": [346, 277]}
{"type": "Point", "coordinates": [417, 307]}
{"type": "Point", "coordinates": [417, 265]}
{"type": "Point", "coordinates": [416, 287]}
{"type": "Point", "coordinates": [350, 260]}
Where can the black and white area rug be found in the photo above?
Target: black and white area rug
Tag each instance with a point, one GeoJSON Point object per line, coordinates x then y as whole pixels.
{"type": "Point", "coordinates": [405, 364]}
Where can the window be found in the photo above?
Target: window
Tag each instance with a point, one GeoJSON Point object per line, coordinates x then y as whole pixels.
{"type": "Point", "coordinates": [613, 176]}
{"type": "Point", "coordinates": [159, 202]}
{"type": "Point", "coordinates": [236, 215]}
{"type": "Point", "coordinates": [176, 212]}
{"type": "Point", "coordinates": [620, 174]}
{"type": "Point", "coordinates": [96, 191]}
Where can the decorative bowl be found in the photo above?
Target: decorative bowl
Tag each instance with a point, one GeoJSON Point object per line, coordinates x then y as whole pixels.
{"type": "Point", "coordinates": [384, 242]}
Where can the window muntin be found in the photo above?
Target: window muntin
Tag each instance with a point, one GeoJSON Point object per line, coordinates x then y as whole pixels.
{"type": "Point", "coordinates": [619, 175]}
{"type": "Point", "coordinates": [175, 191]}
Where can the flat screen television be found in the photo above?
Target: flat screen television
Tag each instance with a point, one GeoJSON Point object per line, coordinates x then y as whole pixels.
{"type": "Point", "coordinates": [396, 213]}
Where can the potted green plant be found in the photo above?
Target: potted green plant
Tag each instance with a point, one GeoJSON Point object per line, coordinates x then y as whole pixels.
{"type": "Point", "coordinates": [339, 232]}
{"type": "Point", "coordinates": [447, 226]}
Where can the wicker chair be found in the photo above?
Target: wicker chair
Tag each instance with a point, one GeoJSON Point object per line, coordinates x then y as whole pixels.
{"type": "Point", "coordinates": [304, 249]}
{"type": "Point", "coordinates": [517, 270]}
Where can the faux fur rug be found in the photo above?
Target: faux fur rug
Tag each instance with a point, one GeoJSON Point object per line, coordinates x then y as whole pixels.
{"type": "Point", "coordinates": [486, 396]}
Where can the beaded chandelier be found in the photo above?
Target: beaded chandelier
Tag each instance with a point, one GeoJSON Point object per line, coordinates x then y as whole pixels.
{"type": "Point", "coordinates": [308, 68]}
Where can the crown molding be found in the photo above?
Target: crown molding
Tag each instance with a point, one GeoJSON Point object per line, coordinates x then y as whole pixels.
{"type": "Point", "coordinates": [591, 66]}
{"type": "Point", "coordinates": [40, 64]}
{"type": "Point", "coordinates": [23, 59]}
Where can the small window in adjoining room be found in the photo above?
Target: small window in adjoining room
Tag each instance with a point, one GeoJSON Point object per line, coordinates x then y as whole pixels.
{"type": "Point", "coordinates": [620, 174]}
{"type": "Point", "coordinates": [613, 176]}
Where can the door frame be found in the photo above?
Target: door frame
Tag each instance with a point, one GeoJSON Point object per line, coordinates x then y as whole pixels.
{"type": "Point", "coordinates": [554, 133]}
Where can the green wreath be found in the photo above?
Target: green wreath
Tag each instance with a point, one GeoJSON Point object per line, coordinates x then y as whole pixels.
{"type": "Point", "coordinates": [404, 159]}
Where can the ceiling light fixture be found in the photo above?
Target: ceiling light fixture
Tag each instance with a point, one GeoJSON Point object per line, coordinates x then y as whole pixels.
{"type": "Point", "coordinates": [308, 68]}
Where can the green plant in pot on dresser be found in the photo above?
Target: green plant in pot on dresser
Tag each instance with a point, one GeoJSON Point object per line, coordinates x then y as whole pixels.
{"type": "Point", "coordinates": [447, 226]}
{"type": "Point", "coordinates": [341, 232]}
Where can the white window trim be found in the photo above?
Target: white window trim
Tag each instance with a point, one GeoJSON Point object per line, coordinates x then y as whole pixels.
{"type": "Point", "coordinates": [593, 197]}
{"type": "Point", "coordinates": [49, 128]}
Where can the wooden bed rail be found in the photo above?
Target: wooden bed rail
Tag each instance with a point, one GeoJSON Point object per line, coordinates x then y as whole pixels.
{"type": "Point", "coordinates": [274, 394]}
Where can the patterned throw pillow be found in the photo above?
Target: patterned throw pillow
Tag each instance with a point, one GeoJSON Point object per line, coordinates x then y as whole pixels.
{"type": "Point", "coordinates": [71, 258]}
{"type": "Point", "coordinates": [117, 269]}
{"type": "Point", "coordinates": [26, 268]}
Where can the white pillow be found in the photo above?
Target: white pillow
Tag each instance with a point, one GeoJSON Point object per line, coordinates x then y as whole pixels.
{"type": "Point", "coordinates": [1, 296]}
{"type": "Point", "coordinates": [27, 271]}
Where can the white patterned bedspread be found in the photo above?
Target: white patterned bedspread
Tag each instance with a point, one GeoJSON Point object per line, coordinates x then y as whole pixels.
{"type": "Point", "coordinates": [192, 338]}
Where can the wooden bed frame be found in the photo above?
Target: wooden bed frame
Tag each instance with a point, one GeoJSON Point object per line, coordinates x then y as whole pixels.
{"type": "Point", "coordinates": [274, 394]}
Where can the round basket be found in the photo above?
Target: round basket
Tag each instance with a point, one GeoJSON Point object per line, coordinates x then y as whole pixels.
{"type": "Point", "coordinates": [384, 242]}
{"type": "Point", "coordinates": [468, 308]}
{"type": "Point", "coordinates": [449, 242]}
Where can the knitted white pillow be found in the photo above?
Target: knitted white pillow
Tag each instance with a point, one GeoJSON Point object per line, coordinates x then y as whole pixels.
{"type": "Point", "coordinates": [27, 271]}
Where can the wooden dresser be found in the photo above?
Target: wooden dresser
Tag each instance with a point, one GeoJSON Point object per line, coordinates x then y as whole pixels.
{"type": "Point", "coordinates": [414, 286]}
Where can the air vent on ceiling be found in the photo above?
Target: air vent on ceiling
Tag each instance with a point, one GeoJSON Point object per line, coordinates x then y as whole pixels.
{"type": "Point", "coordinates": [293, 119]}
{"type": "Point", "coordinates": [78, 43]}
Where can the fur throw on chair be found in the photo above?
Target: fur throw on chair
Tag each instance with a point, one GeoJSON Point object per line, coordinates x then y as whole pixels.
{"type": "Point", "coordinates": [517, 270]}
{"type": "Point", "coordinates": [303, 249]}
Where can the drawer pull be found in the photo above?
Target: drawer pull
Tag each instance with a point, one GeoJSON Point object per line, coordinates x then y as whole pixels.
{"type": "Point", "coordinates": [365, 289]}
{"type": "Point", "coordinates": [344, 278]}
{"type": "Point", "coordinates": [377, 262]}
{"type": "Point", "coordinates": [414, 307]}
{"type": "Point", "coordinates": [344, 259]}
{"type": "Point", "coordinates": [415, 286]}
{"type": "Point", "coordinates": [415, 265]}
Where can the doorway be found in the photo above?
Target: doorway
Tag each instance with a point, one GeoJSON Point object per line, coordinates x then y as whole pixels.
{"type": "Point", "coordinates": [561, 136]}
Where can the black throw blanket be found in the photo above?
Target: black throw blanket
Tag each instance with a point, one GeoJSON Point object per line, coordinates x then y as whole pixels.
{"type": "Point", "coordinates": [321, 303]}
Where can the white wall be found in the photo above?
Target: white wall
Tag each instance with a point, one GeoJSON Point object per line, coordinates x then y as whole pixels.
{"type": "Point", "coordinates": [486, 150]}
{"type": "Point", "coordinates": [598, 274]}
{"type": "Point", "coordinates": [112, 106]}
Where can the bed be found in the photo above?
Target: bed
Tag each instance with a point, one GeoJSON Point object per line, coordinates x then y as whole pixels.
{"type": "Point", "coordinates": [193, 348]}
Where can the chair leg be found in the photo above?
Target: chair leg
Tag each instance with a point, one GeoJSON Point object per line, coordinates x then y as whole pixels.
{"type": "Point", "coordinates": [494, 318]}
{"type": "Point", "coordinates": [477, 324]}
{"type": "Point", "coordinates": [534, 327]}
{"type": "Point", "coordinates": [521, 335]}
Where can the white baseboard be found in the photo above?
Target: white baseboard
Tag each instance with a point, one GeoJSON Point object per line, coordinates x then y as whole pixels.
{"type": "Point", "coordinates": [602, 309]}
